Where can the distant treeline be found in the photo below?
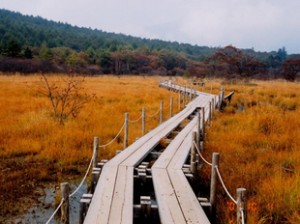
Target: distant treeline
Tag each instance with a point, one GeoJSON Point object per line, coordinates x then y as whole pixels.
{"type": "Point", "coordinates": [32, 44]}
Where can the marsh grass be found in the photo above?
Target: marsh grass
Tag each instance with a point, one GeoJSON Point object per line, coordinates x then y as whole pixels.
{"type": "Point", "coordinates": [258, 137]}
{"type": "Point", "coordinates": [35, 148]}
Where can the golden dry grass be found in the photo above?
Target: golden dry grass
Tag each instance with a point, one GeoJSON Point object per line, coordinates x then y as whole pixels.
{"type": "Point", "coordinates": [35, 148]}
{"type": "Point", "coordinates": [258, 137]}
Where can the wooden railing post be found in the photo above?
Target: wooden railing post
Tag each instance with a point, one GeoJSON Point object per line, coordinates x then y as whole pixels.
{"type": "Point", "coordinates": [221, 98]}
{"type": "Point", "coordinates": [95, 151]}
{"type": "Point", "coordinates": [213, 182]}
{"type": "Point", "coordinates": [126, 131]}
{"type": "Point", "coordinates": [143, 121]}
{"type": "Point", "coordinates": [198, 128]}
{"type": "Point", "coordinates": [65, 208]}
{"type": "Point", "coordinates": [241, 206]}
{"type": "Point", "coordinates": [216, 104]}
{"type": "Point", "coordinates": [203, 123]}
{"type": "Point", "coordinates": [212, 108]}
{"type": "Point", "coordinates": [209, 114]}
{"type": "Point", "coordinates": [193, 153]}
{"type": "Point", "coordinates": [179, 101]}
{"type": "Point", "coordinates": [161, 111]}
{"type": "Point", "coordinates": [185, 98]}
{"type": "Point", "coordinates": [171, 106]}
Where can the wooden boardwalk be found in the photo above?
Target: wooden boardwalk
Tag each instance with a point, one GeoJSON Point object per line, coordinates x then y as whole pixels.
{"type": "Point", "coordinates": [113, 199]}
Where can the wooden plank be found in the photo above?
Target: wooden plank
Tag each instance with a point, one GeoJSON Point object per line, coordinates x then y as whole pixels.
{"type": "Point", "coordinates": [193, 213]}
{"type": "Point", "coordinates": [133, 160]}
{"type": "Point", "coordinates": [169, 209]}
{"type": "Point", "coordinates": [188, 201]}
{"type": "Point", "coordinates": [100, 205]}
{"type": "Point", "coordinates": [110, 168]}
{"type": "Point", "coordinates": [98, 211]}
{"type": "Point", "coordinates": [139, 155]}
{"type": "Point", "coordinates": [164, 160]}
{"type": "Point", "coordinates": [182, 152]}
{"type": "Point", "coordinates": [174, 158]}
{"type": "Point", "coordinates": [122, 203]}
{"type": "Point", "coordinates": [113, 197]}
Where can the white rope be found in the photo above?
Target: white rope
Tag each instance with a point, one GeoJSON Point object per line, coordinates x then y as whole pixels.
{"type": "Point", "coordinates": [134, 121]}
{"type": "Point", "coordinates": [72, 194]}
{"type": "Point", "coordinates": [56, 210]}
{"type": "Point", "coordinates": [83, 179]}
{"type": "Point", "coordinates": [225, 189]}
{"type": "Point", "coordinates": [107, 144]}
{"type": "Point", "coordinates": [199, 153]}
{"type": "Point", "coordinates": [155, 114]}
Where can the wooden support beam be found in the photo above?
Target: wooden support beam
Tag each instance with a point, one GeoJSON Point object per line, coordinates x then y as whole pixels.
{"type": "Point", "coordinates": [84, 203]}
{"type": "Point", "coordinates": [95, 177]}
{"type": "Point", "coordinates": [146, 205]}
{"type": "Point", "coordinates": [229, 96]}
{"type": "Point", "coordinates": [193, 153]}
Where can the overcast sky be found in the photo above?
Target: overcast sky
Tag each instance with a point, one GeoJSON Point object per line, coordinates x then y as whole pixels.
{"type": "Point", "coordinates": [264, 25]}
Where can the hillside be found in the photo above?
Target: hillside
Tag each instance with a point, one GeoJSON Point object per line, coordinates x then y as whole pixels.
{"type": "Point", "coordinates": [33, 44]}
{"type": "Point", "coordinates": [36, 31]}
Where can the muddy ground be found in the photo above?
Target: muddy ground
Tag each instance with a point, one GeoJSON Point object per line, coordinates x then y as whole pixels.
{"type": "Point", "coordinates": [30, 190]}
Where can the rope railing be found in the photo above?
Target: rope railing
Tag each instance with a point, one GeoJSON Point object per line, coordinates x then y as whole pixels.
{"type": "Point", "coordinates": [65, 198]}
{"type": "Point", "coordinates": [107, 144]}
{"type": "Point", "coordinates": [75, 191]}
{"type": "Point", "coordinates": [134, 121]}
{"type": "Point", "coordinates": [199, 153]}
{"type": "Point", "coordinates": [239, 202]}
{"type": "Point", "coordinates": [153, 115]}
{"type": "Point", "coordinates": [56, 210]}
{"type": "Point", "coordinates": [83, 179]}
{"type": "Point", "coordinates": [224, 186]}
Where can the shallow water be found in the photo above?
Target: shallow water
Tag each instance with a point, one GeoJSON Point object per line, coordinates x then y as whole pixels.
{"type": "Point", "coordinates": [44, 208]}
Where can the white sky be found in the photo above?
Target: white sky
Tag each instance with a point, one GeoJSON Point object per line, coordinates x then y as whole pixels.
{"type": "Point", "coordinates": [264, 25]}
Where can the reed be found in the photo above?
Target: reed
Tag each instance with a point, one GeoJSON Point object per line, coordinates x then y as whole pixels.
{"type": "Point", "coordinates": [35, 148]}
{"type": "Point", "coordinates": [258, 138]}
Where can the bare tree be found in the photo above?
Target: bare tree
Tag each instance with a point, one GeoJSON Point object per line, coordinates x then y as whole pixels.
{"type": "Point", "coordinates": [237, 62]}
{"type": "Point", "coordinates": [67, 96]}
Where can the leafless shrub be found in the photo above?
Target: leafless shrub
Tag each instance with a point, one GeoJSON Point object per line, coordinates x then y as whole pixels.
{"type": "Point", "coordinates": [67, 96]}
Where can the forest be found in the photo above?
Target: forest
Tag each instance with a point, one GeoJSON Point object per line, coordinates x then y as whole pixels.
{"type": "Point", "coordinates": [32, 44]}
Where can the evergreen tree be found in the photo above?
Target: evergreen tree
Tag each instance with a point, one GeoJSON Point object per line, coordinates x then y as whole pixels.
{"type": "Point", "coordinates": [28, 53]}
